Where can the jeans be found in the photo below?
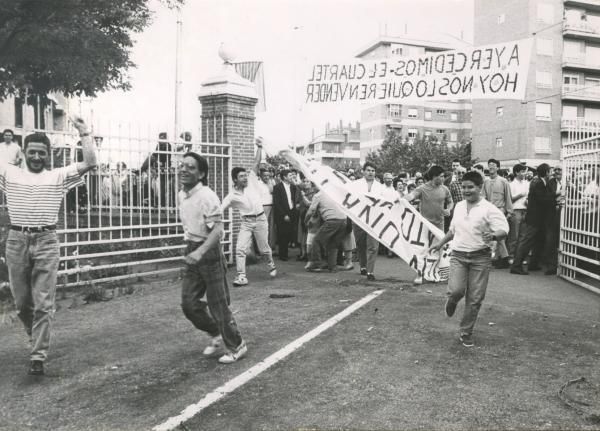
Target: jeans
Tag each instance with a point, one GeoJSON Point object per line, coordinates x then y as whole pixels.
{"type": "Point", "coordinates": [469, 273]}
{"type": "Point", "coordinates": [259, 228]}
{"type": "Point", "coordinates": [329, 237]}
{"type": "Point", "coordinates": [32, 260]}
{"type": "Point", "coordinates": [367, 248]}
{"type": "Point", "coordinates": [213, 315]}
{"type": "Point", "coordinates": [516, 222]}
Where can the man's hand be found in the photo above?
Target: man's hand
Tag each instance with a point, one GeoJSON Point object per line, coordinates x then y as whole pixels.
{"type": "Point", "coordinates": [434, 247]}
{"type": "Point", "coordinates": [79, 124]}
{"type": "Point", "coordinates": [286, 218]}
{"type": "Point", "coordinates": [259, 142]}
{"type": "Point", "coordinates": [488, 236]}
{"type": "Point", "coordinates": [194, 257]}
{"type": "Point", "coordinates": [446, 212]}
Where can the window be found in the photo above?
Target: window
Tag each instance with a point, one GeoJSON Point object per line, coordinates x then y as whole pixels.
{"type": "Point", "coordinates": [543, 79]}
{"type": "Point", "coordinates": [499, 111]}
{"type": "Point", "coordinates": [545, 46]}
{"type": "Point", "coordinates": [569, 112]}
{"type": "Point", "coordinates": [412, 113]}
{"type": "Point", "coordinates": [571, 79]}
{"type": "Point", "coordinates": [397, 51]}
{"type": "Point", "coordinates": [453, 116]}
{"type": "Point", "coordinates": [412, 133]}
{"type": "Point", "coordinates": [498, 142]}
{"type": "Point", "coordinates": [573, 50]}
{"type": "Point", "coordinates": [543, 111]}
{"type": "Point", "coordinates": [453, 137]}
{"type": "Point", "coordinates": [591, 114]}
{"type": "Point", "coordinates": [501, 18]}
{"type": "Point", "coordinates": [542, 145]}
{"type": "Point", "coordinates": [18, 112]}
{"type": "Point", "coordinates": [545, 13]}
{"type": "Point", "coordinates": [441, 112]}
{"type": "Point", "coordinates": [427, 133]}
{"type": "Point", "coordinates": [428, 115]}
{"type": "Point", "coordinates": [440, 131]}
{"type": "Point", "coordinates": [394, 111]}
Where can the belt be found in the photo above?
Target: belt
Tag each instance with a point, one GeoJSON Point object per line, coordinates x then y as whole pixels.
{"type": "Point", "coordinates": [33, 229]}
{"type": "Point", "coordinates": [481, 251]}
{"type": "Point", "coordinates": [253, 215]}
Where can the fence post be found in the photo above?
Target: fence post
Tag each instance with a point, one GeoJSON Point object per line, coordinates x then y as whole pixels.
{"type": "Point", "coordinates": [228, 103]}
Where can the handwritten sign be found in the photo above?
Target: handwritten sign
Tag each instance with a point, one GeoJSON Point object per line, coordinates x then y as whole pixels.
{"type": "Point", "coordinates": [496, 71]}
{"type": "Point", "coordinates": [397, 225]}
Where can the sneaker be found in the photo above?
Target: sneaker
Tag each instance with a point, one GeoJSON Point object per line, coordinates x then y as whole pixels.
{"type": "Point", "coordinates": [348, 267]}
{"type": "Point", "coordinates": [312, 266]}
{"type": "Point", "coordinates": [231, 357]}
{"type": "Point", "coordinates": [370, 276]}
{"type": "Point", "coordinates": [240, 280]}
{"type": "Point", "coordinates": [467, 340]}
{"type": "Point", "coordinates": [450, 307]}
{"type": "Point", "coordinates": [518, 270]}
{"type": "Point", "coordinates": [36, 368]}
{"type": "Point", "coordinates": [216, 344]}
{"type": "Point", "coordinates": [418, 281]}
{"type": "Point", "coordinates": [272, 271]}
{"type": "Point", "coordinates": [363, 271]}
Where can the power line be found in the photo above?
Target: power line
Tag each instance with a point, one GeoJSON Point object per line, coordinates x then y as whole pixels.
{"type": "Point", "coordinates": [561, 93]}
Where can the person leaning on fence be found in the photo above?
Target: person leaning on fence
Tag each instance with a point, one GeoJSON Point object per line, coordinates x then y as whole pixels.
{"type": "Point", "coordinates": [10, 151]}
{"type": "Point", "coordinates": [205, 265]}
{"type": "Point", "coordinates": [476, 223]}
{"type": "Point", "coordinates": [34, 196]}
{"type": "Point", "coordinates": [246, 197]}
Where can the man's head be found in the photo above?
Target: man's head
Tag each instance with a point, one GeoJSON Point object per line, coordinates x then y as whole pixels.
{"type": "Point", "coordinates": [460, 172]}
{"type": "Point", "coordinates": [455, 165]}
{"type": "Point", "coordinates": [519, 171]}
{"type": "Point", "coordinates": [388, 179]}
{"type": "Point", "coordinates": [286, 176]}
{"type": "Point", "coordinates": [543, 170]}
{"type": "Point", "coordinates": [194, 169]}
{"type": "Point", "coordinates": [37, 151]}
{"type": "Point", "coordinates": [411, 187]}
{"type": "Point", "coordinates": [479, 168]}
{"type": "Point", "coordinates": [8, 136]}
{"type": "Point", "coordinates": [471, 186]}
{"type": "Point", "coordinates": [399, 185]}
{"type": "Point", "coordinates": [369, 171]}
{"type": "Point", "coordinates": [493, 166]}
{"type": "Point", "coordinates": [265, 175]}
{"type": "Point", "coordinates": [435, 174]}
{"type": "Point", "coordinates": [558, 173]}
{"type": "Point", "coordinates": [528, 175]}
{"type": "Point", "coordinates": [240, 177]}
{"type": "Point", "coordinates": [419, 181]}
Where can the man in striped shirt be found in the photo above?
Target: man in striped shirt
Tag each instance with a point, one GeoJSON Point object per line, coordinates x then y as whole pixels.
{"type": "Point", "coordinates": [33, 196]}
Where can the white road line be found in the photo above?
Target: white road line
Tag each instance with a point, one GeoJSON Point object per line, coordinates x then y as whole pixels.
{"type": "Point", "coordinates": [248, 375]}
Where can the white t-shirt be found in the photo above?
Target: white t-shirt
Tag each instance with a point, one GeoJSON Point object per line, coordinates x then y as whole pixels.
{"type": "Point", "coordinates": [11, 153]}
{"type": "Point", "coordinates": [468, 226]}
{"type": "Point", "coordinates": [517, 187]}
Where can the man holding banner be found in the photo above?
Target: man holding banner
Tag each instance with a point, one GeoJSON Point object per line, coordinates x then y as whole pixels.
{"type": "Point", "coordinates": [475, 225]}
{"type": "Point", "coordinates": [366, 245]}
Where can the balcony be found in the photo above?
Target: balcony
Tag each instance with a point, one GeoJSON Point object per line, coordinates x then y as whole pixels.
{"type": "Point", "coordinates": [587, 63]}
{"type": "Point", "coordinates": [584, 93]}
{"type": "Point", "coordinates": [581, 30]}
{"type": "Point", "coordinates": [585, 4]}
{"type": "Point", "coordinates": [580, 124]}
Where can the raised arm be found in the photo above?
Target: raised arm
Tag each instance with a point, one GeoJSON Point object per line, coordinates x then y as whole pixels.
{"type": "Point", "coordinates": [258, 156]}
{"type": "Point", "coordinates": [88, 146]}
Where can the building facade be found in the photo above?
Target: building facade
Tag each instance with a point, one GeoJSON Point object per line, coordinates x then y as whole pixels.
{"type": "Point", "coordinates": [449, 120]}
{"type": "Point", "coordinates": [563, 86]}
{"type": "Point", "coordinates": [337, 147]}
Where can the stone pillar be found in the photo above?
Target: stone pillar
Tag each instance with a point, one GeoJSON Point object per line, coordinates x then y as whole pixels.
{"type": "Point", "coordinates": [228, 103]}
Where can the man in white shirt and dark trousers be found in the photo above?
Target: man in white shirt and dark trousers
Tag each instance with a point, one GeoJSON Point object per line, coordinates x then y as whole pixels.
{"type": "Point", "coordinates": [366, 245]}
{"type": "Point", "coordinates": [519, 189]}
{"type": "Point", "coordinates": [475, 225]}
{"type": "Point", "coordinates": [246, 197]}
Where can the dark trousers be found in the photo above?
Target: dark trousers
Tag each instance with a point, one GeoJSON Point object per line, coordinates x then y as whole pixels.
{"type": "Point", "coordinates": [329, 237]}
{"type": "Point", "coordinates": [213, 315]}
{"type": "Point", "coordinates": [541, 239]}
{"type": "Point", "coordinates": [285, 232]}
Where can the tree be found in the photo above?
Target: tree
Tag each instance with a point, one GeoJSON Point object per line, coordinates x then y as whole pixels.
{"type": "Point", "coordinates": [72, 47]}
{"type": "Point", "coordinates": [398, 154]}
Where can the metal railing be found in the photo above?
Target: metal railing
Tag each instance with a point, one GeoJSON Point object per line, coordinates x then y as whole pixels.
{"type": "Point", "coordinates": [124, 222]}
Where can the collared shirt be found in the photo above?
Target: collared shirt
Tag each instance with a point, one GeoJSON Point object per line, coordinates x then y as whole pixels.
{"type": "Point", "coordinates": [266, 193]}
{"type": "Point", "coordinates": [327, 208]}
{"type": "Point", "coordinates": [249, 200]}
{"type": "Point", "coordinates": [288, 194]}
{"type": "Point", "coordinates": [361, 186]}
{"type": "Point", "coordinates": [11, 153]}
{"type": "Point", "coordinates": [34, 199]}
{"type": "Point", "coordinates": [469, 225]}
{"type": "Point", "coordinates": [497, 191]}
{"type": "Point", "coordinates": [199, 210]}
{"type": "Point", "coordinates": [517, 187]}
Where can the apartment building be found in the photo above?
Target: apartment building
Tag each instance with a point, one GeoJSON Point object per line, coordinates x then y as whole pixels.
{"type": "Point", "coordinates": [449, 120]}
{"type": "Point", "coordinates": [563, 88]}
{"type": "Point", "coordinates": [337, 147]}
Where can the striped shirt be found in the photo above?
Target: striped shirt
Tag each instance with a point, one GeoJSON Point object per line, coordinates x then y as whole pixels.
{"type": "Point", "coordinates": [34, 199]}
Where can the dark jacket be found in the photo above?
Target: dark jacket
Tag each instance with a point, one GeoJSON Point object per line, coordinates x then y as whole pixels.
{"type": "Point", "coordinates": [281, 207]}
{"type": "Point", "coordinates": [541, 203]}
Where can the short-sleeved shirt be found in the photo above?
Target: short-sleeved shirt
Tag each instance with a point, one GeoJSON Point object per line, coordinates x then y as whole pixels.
{"type": "Point", "coordinates": [497, 191]}
{"type": "Point", "coordinates": [199, 209]}
{"type": "Point", "coordinates": [326, 207]}
{"type": "Point", "coordinates": [433, 201]}
{"type": "Point", "coordinates": [516, 188]}
{"type": "Point", "coordinates": [469, 226]}
{"type": "Point", "coordinates": [249, 200]}
{"type": "Point", "coordinates": [34, 199]}
{"type": "Point", "coordinates": [11, 153]}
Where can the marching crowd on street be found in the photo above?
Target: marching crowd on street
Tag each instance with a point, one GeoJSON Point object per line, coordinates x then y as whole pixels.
{"type": "Point", "coordinates": [507, 219]}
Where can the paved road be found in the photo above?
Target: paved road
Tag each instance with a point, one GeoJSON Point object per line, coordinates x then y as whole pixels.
{"type": "Point", "coordinates": [135, 361]}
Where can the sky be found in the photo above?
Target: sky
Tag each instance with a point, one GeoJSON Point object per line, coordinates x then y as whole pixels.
{"type": "Point", "coordinates": [288, 36]}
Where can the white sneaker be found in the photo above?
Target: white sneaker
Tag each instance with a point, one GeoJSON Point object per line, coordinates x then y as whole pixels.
{"type": "Point", "coordinates": [273, 271]}
{"type": "Point", "coordinates": [418, 281]}
{"type": "Point", "coordinates": [240, 280]}
{"type": "Point", "coordinates": [231, 357]}
{"type": "Point", "coordinates": [216, 343]}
